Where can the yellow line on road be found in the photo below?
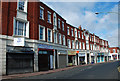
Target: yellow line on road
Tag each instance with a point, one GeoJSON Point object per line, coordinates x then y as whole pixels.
{"type": "Point", "coordinates": [118, 68]}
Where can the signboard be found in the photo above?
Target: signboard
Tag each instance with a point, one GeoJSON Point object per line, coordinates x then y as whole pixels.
{"type": "Point", "coordinates": [71, 52]}
{"type": "Point", "coordinates": [81, 54]}
{"type": "Point", "coordinates": [19, 41]}
{"type": "Point", "coordinates": [45, 46]}
{"type": "Point", "coordinates": [100, 54]}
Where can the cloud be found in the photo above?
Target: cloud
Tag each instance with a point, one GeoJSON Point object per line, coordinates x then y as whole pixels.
{"type": "Point", "coordinates": [81, 13]}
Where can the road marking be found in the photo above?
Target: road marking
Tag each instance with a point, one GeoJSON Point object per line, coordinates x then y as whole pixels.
{"type": "Point", "coordinates": [118, 68]}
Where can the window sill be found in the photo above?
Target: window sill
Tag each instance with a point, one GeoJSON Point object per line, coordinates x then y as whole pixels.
{"type": "Point", "coordinates": [41, 18]}
{"type": "Point", "coordinates": [22, 11]}
{"type": "Point", "coordinates": [20, 36]}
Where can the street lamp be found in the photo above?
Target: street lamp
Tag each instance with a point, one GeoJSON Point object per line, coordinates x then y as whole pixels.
{"type": "Point", "coordinates": [106, 12]}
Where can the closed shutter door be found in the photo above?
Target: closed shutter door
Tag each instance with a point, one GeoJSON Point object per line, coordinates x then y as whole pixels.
{"type": "Point", "coordinates": [62, 61]}
{"type": "Point", "coordinates": [19, 63]}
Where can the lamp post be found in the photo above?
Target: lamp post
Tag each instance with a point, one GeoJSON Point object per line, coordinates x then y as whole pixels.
{"type": "Point", "coordinates": [106, 12]}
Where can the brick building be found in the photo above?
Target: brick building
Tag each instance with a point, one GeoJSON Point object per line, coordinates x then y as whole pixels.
{"type": "Point", "coordinates": [114, 53]}
{"type": "Point", "coordinates": [36, 38]}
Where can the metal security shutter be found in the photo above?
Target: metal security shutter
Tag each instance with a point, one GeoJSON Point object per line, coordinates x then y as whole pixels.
{"type": "Point", "coordinates": [62, 60]}
{"type": "Point", "coordinates": [19, 63]}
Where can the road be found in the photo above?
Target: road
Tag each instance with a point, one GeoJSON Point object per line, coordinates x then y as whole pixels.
{"type": "Point", "coordinates": [97, 71]}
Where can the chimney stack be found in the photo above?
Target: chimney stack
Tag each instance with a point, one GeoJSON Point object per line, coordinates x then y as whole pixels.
{"type": "Point", "coordinates": [80, 27]}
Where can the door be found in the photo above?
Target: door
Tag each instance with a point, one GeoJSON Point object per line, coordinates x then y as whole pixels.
{"type": "Point", "coordinates": [43, 62]}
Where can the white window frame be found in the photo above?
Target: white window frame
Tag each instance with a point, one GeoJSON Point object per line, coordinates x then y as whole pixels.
{"type": "Point", "coordinates": [63, 27]}
{"type": "Point", "coordinates": [78, 34]}
{"type": "Point", "coordinates": [42, 12]}
{"type": "Point", "coordinates": [58, 23]}
{"type": "Point", "coordinates": [55, 37]}
{"type": "Point", "coordinates": [43, 32]}
{"type": "Point", "coordinates": [49, 20]}
{"type": "Point", "coordinates": [50, 34]}
{"type": "Point", "coordinates": [69, 43]}
{"type": "Point", "coordinates": [68, 31]}
{"type": "Point", "coordinates": [73, 44]}
{"type": "Point", "coordinates": [25, 5]}
{"type": "Point", "coordinates": [72, 32]}
{"type": "Point", "coordinates": [60, 41]}
{"type": "Point", "coordinates": [113, 50]}
{"type": "Point", "coordinates": [80, 45]}
{"type": "Point", "coordinates": [64, 40]}
{"type": "Point", "coordinates": [82, 35]}
{"type": "Point", "coordinates": [15, 24]}
{"type": "Point", "coordinates": [76, 44]}
{"type": "Point", "coordinates": [83, 45]}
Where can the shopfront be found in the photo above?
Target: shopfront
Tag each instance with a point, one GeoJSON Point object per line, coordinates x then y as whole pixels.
{"type": "Point", "coordinates": [114, 56]}
{"type": "Point", "coordinates": [81, 58]}
{"type": "Point", "coordinates": [72, 58]}
{"type": "Point", "coordinates": [19, 60]}
{"type": "Point", "coordinates": [45, 57]}
{"type": "Point", "coordinates": [100, 57]}
{"type": "Point", "coordinates": [92, 58]}
{"type": "Point", "coordinates": [62, 58]}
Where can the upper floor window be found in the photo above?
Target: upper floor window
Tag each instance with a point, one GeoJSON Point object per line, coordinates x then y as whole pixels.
{"type": "Point", "coordinates": [83, 45]}
{"type": "Point", "coordinates": [62, 25]}
{"type": "Point", "coordinates": [49, 35]}
{"type": "Point", "coordinates": [75, 33]}
{"type": "Point", "coordinates": [68, 31]}
{"type": "Point", "coordinates": [41, 13]}
{"type": "Point", "coordinates": [113, 50]}
{"type": "Point", "coordinates": [73, 45]}
{"type": "Point", "coordinates": [82, 36]}
{"type": "Point", "coordinates": [58, 23]}
{"type": "Point", "coordinates": [78, 34]}
{"type": "Point", "coordinates": [72, 31]}
{"type": "Point", "coordinates": [68, 43]}
{"type": "Point", "coordinates": [79, 45]}
{"type": "Point", "coordinates": [20, 28]}
{"type": "Point", "coordinates": [63, 39]}
{"type": "Point", "coordinates": [76, 44]}
{"type": "Point", "coordinates": [49, 17]}
{"type": "Point", "coordinates": [21, 4]}
{"type": "Point", "coordinates": [60, 39]}
{"type": "Point", "coordinates": [55, 37]}
{"type": "Point", "coordinates": [41, 33]}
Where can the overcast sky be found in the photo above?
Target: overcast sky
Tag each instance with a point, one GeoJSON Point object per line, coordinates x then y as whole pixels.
{"type": "Point", "coordinates": [104, 25]}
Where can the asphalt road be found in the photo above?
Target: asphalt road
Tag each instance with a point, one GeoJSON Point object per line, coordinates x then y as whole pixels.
{"type": "Point", "coordinates": [97, 71]}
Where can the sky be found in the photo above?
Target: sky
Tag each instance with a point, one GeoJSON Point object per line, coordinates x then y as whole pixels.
{"type": "Point", "coordinates": [104, 25]}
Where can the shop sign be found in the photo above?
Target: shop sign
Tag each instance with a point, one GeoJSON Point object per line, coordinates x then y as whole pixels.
{"type": "Point", "coordinates": [45, 46]}
{"type": "Point", "coordinates": [81, 54]}
{"type": "Point", "coordinates": [100, 54]}
{"type": "Point", "coordinates": [19, 41]}
{"type": "Point", "coordinates": [71, 52]}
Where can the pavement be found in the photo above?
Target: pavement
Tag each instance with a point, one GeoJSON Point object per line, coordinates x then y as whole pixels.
{"type": "Point", "coordinates": [15, 76]}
